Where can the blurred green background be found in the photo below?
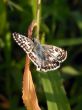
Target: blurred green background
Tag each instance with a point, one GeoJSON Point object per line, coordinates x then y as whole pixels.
{"type": "Point", "coordinates": [60, 25]}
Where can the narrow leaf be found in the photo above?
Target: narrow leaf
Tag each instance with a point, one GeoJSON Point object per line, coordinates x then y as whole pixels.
{"type": "Point", "coordinates": [54, 91]}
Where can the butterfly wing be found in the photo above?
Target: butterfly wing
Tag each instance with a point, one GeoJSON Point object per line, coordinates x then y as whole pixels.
{"type": "Point", "coordinates": [49, 64]}
{"type": "Point", "coordinates": [43, 60]}
{"type": "Point", "coordinates": [58, 53]}
{"type": "Point", "coordinates": [44, 64]}
{"type": "Point", "coordinates": [24, 42]}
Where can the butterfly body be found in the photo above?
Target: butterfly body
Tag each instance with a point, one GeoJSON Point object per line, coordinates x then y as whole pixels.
{"type": "Point", "coordinates": [45, 57]}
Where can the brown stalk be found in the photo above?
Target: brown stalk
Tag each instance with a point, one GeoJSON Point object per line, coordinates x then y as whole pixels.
{"type": "Point", "coordinates": [29, 94]}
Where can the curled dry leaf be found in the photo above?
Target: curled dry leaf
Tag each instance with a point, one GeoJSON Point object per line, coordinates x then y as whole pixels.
{"type": "Point", "coordinates": [29, 94]}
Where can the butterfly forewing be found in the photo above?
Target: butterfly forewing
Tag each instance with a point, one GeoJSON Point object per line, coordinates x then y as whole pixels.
{"type": "Point", "coordinates": [24, 42]}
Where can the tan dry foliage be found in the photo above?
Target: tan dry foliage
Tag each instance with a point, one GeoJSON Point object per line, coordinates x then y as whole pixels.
{"type": "Point", "coordinates": [29, 94]}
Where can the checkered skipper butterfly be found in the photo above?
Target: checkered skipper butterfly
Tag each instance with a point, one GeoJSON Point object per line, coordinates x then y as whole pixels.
{"type": "Point", "coordinates": [45, 57]}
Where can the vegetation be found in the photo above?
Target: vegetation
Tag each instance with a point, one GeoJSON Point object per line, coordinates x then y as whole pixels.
{"type": "Point", "coordinates": [60, 25]}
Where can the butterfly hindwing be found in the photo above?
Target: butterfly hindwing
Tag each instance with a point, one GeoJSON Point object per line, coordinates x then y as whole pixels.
{"type": "Point", "coordinates": [43, 59]}
{"type": "Point", "coordinates": [44, 64]}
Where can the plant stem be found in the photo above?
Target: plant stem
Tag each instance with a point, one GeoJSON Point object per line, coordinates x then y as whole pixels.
{"type": "Point", "coordinates": [38, 18]}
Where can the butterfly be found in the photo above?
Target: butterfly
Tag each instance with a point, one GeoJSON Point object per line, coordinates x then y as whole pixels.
{"type": "Point", "coordinates": [45, 57]}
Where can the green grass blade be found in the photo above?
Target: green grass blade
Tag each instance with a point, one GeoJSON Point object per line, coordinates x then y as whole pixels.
{"type": "Point", "coordinates": [70, 70]}
{"type": "Point", "coordinates": [54, 91]}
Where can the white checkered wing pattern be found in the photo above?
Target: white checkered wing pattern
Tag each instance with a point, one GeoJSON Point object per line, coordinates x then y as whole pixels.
{"type": "Point", "coordinates": [24, 42]}
{"type": "Point", "coordinates": [46, 57]}
{"type": "Point", "coordinates": [58, 53]}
